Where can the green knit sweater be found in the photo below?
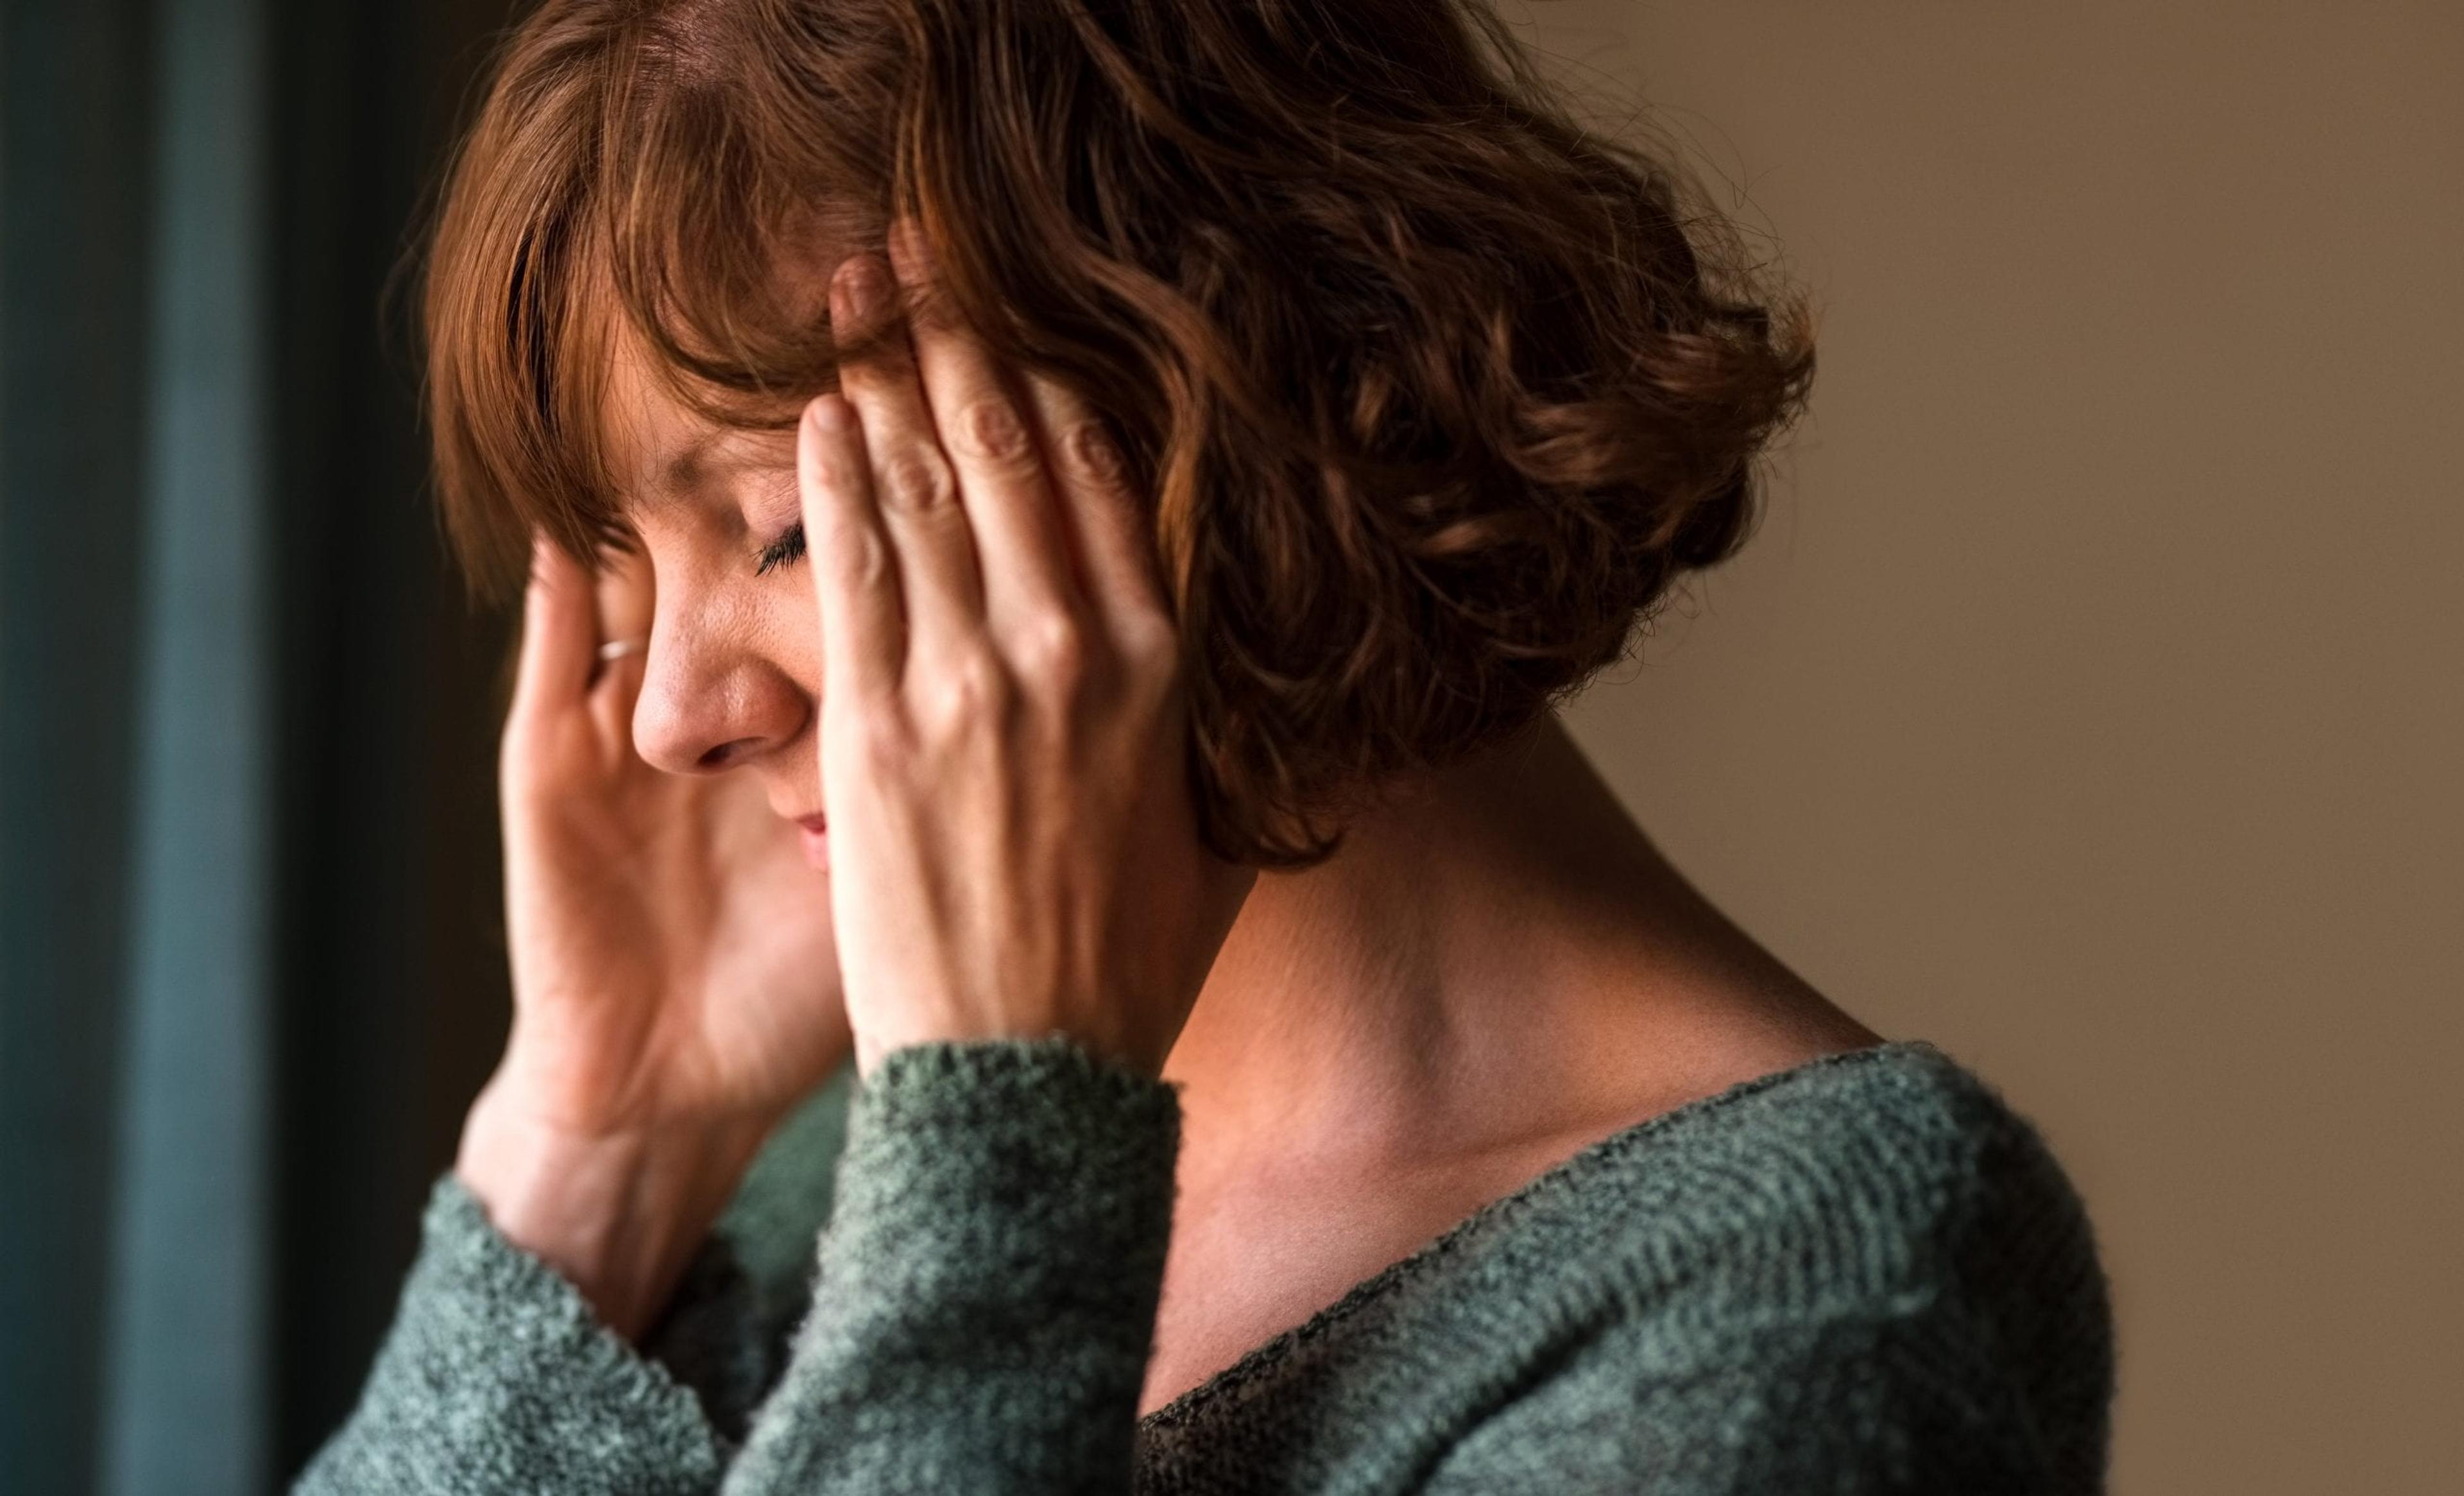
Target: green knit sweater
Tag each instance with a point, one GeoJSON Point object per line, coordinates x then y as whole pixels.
{"type": "Point", "coordinates": [1861, 1274]}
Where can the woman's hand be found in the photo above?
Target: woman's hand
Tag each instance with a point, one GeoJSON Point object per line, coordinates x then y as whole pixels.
{"type": "Point", "coordinates": [1012, 842]}
{"type": "Point", "coordinates": [675, 989]}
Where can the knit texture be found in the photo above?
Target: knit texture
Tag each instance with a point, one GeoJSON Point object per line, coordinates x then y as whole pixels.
{"type": "Point", "coordinates": [1861, 1274]}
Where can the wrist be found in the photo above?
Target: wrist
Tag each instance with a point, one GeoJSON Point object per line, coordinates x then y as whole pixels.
{"type": "Point", "coordinates": [620, 1211]}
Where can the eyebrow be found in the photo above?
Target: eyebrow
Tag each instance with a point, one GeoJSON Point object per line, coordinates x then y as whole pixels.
{"type": "Point", "coordinates": [691, 468]}
{"type": "Point", "coordinates": [684, 471]}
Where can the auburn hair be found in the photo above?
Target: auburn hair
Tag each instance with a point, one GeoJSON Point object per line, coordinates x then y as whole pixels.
{"type": "Point", "coordinates": [1433, 391]}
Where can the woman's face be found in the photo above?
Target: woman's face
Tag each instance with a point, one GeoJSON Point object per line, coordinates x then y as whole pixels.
{"type": "Point", "coordinates": [732, 671]}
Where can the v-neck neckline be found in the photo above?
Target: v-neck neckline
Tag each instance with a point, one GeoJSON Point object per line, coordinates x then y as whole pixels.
{"type": "Point", "coordinates": [1192, 1403]}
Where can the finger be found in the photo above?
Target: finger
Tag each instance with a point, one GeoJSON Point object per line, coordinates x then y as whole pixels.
{"type": "Point", "coordinates": [620, 606]}
{"type": "Point", "coordinates": [558, 638]}
{"type": "Point", "coordinates": [1008, 500]}
{"type": "Point", "coordinates": [855, 574]}
{"type": "Point", "coordinates": [614, 692]}
{"type": "Point", "coordinates": [624, 596]}
{"type": "Point", "coordinates": [623, 602]}
{"type": "Point", "coordinates": [1100, 511]}
{"type": "Point", "coordinates": [913, 488]}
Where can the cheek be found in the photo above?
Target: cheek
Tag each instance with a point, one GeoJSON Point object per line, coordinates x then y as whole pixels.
{"type": "Point", "coordinates": [791, 632]}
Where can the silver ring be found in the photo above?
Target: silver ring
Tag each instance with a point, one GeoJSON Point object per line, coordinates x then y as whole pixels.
{"type": "Point", "coordinates": [617, 649]}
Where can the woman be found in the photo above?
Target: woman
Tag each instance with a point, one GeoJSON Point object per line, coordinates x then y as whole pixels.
{"type": "Point", "coordinates": [1120, 488]}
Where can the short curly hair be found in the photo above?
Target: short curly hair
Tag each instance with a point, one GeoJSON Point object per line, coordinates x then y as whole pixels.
{"type": "Point", "coordinates": [1433, 391]}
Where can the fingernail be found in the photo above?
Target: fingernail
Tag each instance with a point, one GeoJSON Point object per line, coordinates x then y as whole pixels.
{"type": "Point", "coordinates": [828, 414]}
{"type": "Point", "coordinates": [913, 250]}
{"type": "Point", "coordinates": [856, 288]}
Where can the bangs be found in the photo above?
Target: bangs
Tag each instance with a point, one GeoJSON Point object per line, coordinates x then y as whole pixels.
{"type": "Point", "coordinates": [518, 322]}
{"type": "Point", "coordinates": [612, 194]}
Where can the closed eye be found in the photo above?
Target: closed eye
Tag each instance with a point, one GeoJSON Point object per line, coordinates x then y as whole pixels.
{"type": "Point", "coordinates": [784, 551]}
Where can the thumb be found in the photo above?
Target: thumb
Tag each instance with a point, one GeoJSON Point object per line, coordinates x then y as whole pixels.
{"type": "Point", "coordinates": [558, 632]}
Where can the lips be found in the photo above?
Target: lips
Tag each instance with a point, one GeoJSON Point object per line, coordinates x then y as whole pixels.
{"type": "Point", "coordinates": [814, 831]}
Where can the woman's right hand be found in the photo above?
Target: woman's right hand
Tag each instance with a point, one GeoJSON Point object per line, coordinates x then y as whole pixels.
{"type": "Point", "coordinates": [675, 985]}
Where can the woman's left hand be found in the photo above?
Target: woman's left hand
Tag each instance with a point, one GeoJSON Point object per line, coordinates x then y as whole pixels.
{"type": "Point", "coordinates": [1014, 850]}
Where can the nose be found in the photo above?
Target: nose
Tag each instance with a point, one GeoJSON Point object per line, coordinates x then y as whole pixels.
{"type": "Point", "coordinates": [710, 701]}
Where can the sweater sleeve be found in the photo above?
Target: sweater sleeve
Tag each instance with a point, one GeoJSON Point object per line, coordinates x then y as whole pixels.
{"type": "Point", "coordinates": [983, 1315]}
{"type": "Point", "coordinates": [497, 1378]}
{"type": "Point", "coordinates": [988, 1282]}
{"type": "Point", "coordinates": [494, 1360]}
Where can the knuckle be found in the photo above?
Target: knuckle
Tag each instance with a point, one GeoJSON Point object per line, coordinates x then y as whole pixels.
{"type": "Point", "coordinates": [1053, 649]}
{"type": "Point", "coordinates": [1150, 646]}
{"type": "Point", "coordinates": [1092, 456]}
{"type": "Point", "coordinates": [989, 429]}
{"type": "Point", "coordinates": [972, 688]}
{"type": "Point", "coordinates": [861, 559]}
{"type": "Point", "coordinates": [916, 480]}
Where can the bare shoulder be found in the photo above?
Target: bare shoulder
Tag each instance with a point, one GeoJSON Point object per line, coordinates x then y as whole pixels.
{"type": "Point", "coordinates": [1694, 1038]}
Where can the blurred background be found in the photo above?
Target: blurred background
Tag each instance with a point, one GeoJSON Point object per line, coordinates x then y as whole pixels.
{"type": "Point", "coordinates": [2088, 702]}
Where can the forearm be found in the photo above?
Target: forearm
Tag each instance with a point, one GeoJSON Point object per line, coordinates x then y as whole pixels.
{"type": "Point", "coordinates": [617, 1212]}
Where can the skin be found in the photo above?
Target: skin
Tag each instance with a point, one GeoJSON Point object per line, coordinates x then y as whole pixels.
{"type": "Point", "coordinates": [973, 674]}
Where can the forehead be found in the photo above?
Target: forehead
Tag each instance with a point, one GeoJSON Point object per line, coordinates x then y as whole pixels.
{"type": "Point", "coordinates": [655, 448]}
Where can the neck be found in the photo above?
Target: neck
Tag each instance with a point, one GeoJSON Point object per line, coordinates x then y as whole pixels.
{"type": "Point", "coordinates": [1496, 952]}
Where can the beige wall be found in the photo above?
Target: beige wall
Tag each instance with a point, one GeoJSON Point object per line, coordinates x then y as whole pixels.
{"type": "Point", "coordinates": [2089, 703]}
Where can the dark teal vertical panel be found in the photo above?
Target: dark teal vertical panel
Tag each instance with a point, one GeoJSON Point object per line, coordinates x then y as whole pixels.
{"type": "Point", "coordinates": [185, 1389]}
{"type": "Point", "coordinates": [75, 136]}
{"type": "Point", "coordinates": [249, 967]}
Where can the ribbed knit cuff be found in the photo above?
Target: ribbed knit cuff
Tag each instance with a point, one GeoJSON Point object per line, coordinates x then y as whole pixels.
{"type": "Point", "coordinates": [1031, 1154]}
{"type": "Point", "coordinates": [988, 1281]}
{"type": "Point", "coordinates": [496, 1372]}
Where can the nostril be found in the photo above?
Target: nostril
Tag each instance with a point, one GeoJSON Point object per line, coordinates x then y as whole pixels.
{"type": "Point", "coordinates": [719, 757]}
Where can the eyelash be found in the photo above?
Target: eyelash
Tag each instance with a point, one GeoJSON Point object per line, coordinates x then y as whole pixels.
{"type": "Point", "coordinates": [784, 551]}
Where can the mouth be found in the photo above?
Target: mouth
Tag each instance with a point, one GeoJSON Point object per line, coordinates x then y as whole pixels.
{"type": "Point", "coordinates": [814, 831]}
